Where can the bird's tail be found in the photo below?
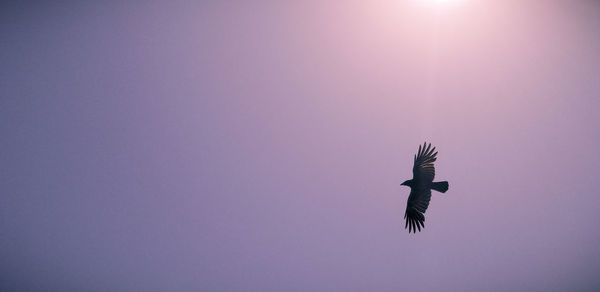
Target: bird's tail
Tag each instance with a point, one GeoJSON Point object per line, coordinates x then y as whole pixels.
{"type": "Point", "coordinates": [441, 186]}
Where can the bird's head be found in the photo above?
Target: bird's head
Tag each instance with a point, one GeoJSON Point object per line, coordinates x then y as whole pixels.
{"type": "Point", "coordinates": [407, 183]}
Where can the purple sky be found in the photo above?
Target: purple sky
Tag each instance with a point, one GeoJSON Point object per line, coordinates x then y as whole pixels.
{"type": "Point", "coordinates": [225, 146]}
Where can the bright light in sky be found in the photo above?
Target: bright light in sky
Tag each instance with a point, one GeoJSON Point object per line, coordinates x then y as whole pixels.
{"type": "Point", "coordinates": [440, 2]}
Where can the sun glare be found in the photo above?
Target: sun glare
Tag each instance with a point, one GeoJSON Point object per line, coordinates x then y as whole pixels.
{"type": "Point", "coordinates": [440, 2]}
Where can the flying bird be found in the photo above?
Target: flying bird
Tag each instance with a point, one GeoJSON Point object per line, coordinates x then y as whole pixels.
{"type": "Point", "coordinates": [420, 188]}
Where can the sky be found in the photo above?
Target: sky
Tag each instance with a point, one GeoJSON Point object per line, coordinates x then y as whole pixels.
{"type": "Point", "coordinates": [260, 145]}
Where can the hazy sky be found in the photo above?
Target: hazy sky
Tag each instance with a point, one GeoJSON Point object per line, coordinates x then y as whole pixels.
{"type": "Point", "coordinates": [259, 145]}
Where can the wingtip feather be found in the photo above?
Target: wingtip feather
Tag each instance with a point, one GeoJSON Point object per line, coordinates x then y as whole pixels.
{"type": "Point", "coordinates": [430, 152]}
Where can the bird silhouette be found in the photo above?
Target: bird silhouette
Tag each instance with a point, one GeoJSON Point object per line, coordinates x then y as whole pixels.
{"type": "Point", "coordinates": [420, 188]}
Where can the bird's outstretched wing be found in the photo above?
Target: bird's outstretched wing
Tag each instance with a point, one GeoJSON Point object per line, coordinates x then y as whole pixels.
{"type": "Point", "coordinates": [420, 194]}
{"type": "Point", "coordinates": [423, 170]}
{"type": "Point", "coordinates": [417, 204]}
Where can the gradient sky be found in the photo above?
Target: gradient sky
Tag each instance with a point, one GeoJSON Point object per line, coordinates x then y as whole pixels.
{"type": "Point", "coordinates": [259, 145]}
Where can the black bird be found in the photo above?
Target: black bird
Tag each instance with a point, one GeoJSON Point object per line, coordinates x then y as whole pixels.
{"type": "Point", "coordinates": [420, 188]}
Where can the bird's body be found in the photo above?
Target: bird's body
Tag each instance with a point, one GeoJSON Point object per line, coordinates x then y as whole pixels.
{"type": "Point", "coordinates": [420, 188]}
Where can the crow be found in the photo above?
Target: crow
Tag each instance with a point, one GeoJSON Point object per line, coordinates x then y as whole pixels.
{"type": "Point", "coordinates": [420, 188]}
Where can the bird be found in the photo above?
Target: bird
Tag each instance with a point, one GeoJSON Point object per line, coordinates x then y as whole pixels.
{"type": "Point", "coordinates": [420, 188]}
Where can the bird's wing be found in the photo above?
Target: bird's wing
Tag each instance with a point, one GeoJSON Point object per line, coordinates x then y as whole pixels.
{"type": "Point", "coordinates": [423, 170]}
{"type": "Point", "coordinates": [417, 204]}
